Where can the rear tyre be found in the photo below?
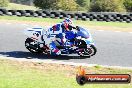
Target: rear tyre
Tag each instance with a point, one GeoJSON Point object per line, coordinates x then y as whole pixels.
{"type": "Point", "coordinates": [32, 48]}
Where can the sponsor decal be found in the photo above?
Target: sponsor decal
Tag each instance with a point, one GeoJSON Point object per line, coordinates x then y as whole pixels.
{"type": "Point", "coordinates": [83, 78]}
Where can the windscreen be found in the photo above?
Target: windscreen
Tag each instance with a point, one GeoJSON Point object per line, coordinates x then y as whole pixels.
{"type": "Point", "coordinates": [83, 33]}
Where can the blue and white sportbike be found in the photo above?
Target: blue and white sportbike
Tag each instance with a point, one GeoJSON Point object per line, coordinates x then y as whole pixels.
{"type": "Point", "coordinates": [79, 42]}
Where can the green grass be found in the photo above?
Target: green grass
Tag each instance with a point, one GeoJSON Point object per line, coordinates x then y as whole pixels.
{"type": "Point", "coordinates": [13, 6]}
{"type": "Point", "coordinates": [16, 74]}
{"type": "Point", "coordinates": [79, 22]}
{"type": "Point", "coordinates": [108, 24]}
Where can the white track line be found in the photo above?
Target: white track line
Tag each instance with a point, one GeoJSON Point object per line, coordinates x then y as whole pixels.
{"type": "Point", "coordinates": [100, 30]}
{"type": "Point", "coordinates": [25, 24]}
{"type": "Point", "coordinates": [117, 31]}
{"type": "Point", "coordinates": [8, 23]}
{"type": "Point", "coordinates": [130, 32]}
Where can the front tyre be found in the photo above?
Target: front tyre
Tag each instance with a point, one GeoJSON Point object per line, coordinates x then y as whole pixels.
{"type": "Point", "coordinates": [91, 50]}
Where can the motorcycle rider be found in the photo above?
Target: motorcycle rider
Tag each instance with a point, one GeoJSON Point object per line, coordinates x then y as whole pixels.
{"type": "Point", "coordinates": [60, 30]}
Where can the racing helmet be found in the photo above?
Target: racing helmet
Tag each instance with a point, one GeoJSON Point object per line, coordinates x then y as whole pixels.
{"type": "Point", "coordinates": [68, 23]}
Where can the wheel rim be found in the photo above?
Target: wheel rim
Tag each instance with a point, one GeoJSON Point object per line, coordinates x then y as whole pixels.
{"type": "Point", "coordinates": [27, 43]}
{"type": "Point", "coordinates": [31, 50]}
{"type": "Point", "coordinates": [90, 51]}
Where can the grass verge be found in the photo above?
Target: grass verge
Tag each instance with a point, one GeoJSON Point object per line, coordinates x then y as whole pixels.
{"type": "Point", "coordinates": [114, 26]}
{"type": "Point", "coordinates": [23, 74]}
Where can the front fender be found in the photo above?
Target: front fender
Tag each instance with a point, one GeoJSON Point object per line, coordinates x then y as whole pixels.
{"type": "Point", "coordinates": [89, 41]}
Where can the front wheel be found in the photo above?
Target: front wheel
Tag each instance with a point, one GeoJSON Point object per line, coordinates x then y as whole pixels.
{"type": "Point", "coordinates": [89, 51]}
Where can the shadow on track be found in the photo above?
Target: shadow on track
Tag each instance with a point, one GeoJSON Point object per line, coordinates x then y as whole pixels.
{"type": "Point", "coordinates": [28, 55]}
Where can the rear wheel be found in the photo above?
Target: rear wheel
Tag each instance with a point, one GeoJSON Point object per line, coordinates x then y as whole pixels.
{"type": "Point", "coordinates": [32, 48]}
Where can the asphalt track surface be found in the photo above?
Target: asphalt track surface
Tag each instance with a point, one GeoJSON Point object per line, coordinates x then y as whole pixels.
{"type": "Point", "coordinates": [114, 48]}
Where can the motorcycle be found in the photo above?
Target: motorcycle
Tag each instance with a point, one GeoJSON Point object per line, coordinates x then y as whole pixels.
{"type": "Point", "coordinates": [78, 42]}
